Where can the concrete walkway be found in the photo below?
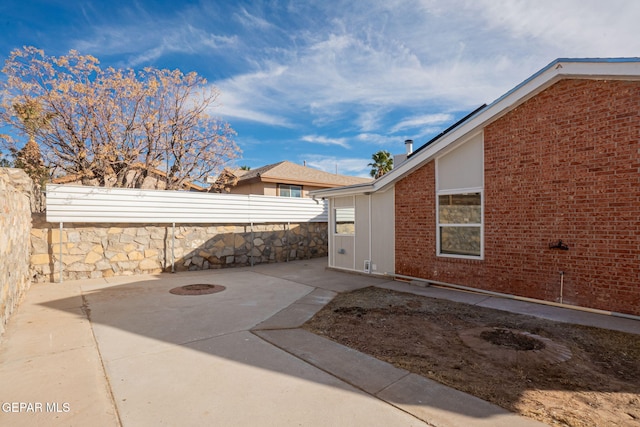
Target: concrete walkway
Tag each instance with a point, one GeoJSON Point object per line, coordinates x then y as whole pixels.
{"type": "Point", "coordinates": [124, 351]}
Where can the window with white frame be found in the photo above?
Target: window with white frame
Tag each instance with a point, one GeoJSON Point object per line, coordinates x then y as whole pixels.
{"type": "Point", "coordinates": [459, 200]}
{"type": "Point", "coordinates": [345, 221]}
{"type": "Point", "coordinates": [285, 190]}
{"type": "Point", "coordinates": [460, 224]}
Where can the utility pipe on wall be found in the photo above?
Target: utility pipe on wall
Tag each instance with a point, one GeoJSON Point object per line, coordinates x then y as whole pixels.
{"type": "Point", "coordinates": [561, 285]}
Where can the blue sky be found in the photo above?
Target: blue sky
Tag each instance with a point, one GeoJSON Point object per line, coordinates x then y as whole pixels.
{"type": "Point", "coordinates": [330, 82]}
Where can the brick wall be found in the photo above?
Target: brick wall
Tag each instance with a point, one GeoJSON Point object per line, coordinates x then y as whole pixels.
{"type": "Point", "coordinates": [565, 165]}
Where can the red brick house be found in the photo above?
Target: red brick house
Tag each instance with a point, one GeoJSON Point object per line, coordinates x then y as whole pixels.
{"type": "Point", "coordinates": [535, 195]}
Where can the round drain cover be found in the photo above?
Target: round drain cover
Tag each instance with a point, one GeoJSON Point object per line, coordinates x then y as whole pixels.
{"type": "Point", "coordinates": [197, 289]}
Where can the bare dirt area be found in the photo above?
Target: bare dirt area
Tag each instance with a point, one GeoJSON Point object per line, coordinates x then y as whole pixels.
{"type": "Point", "coordinates": [557, 373]}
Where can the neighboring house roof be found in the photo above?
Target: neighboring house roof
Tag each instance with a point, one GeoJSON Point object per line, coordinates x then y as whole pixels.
{"type": "Point", "coordinates": [290, 173]}
{"type": "Point", "coordinates": [563, 68]}
{"type": "Point", "coordinates": [68, 179]}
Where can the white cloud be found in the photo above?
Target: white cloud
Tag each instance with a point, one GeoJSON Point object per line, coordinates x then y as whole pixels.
{"type": "Point", "coordinates": [576, 27]}
{"type": "Point", "coordinates": [375, 58]}
{"type": "Point", "coordinates": [377, 139]}
{"type": "Point", "coordinates": [251, 21]}
{"type": "Point", "coordinates": [323, 140]}
{"type": "Point", "coordinates": [238, 112]}
{"type": "Point", "coordinates": [145, 44]}
{"type": "Point", "coordinates": [343, 166]}
{"type": "Point", "coordinates": [328, 73]}
{"type": "Point", "coordinates": [427, 120]}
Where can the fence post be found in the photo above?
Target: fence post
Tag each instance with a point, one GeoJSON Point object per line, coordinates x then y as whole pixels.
{"type": "Point", "coordinates": [252, 244]}
{"type": "Point", "coordinates": [60, 260]}
{"type": "Point", "coordinates": [286, 236]}
{"type": "Point", "coordinates": [173, 246]}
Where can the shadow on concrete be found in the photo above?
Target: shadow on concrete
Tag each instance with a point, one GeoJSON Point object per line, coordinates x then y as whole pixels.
{"type": "Point", "coordinates": [159, 349]}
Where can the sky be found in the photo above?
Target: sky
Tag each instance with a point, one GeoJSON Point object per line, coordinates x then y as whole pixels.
{"type": "Point", "coordinates": [330, 82]}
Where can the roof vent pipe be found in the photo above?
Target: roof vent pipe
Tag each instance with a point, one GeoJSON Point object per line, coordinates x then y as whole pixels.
{"type": "Point", "coordinates": [408, 145]}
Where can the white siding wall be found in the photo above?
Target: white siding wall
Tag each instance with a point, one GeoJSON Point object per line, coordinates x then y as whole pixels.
{"type": "Point", "coordinates": [462, 167]}
{"type": "Point", "coordinates": [383, 228]}
{"type": "Point", "coordinates": [374, 239]}
{"type": "Point", "coordinates": [363, 230]}
{"type": "Point", "coordinates": [341, 247]}
{"type": "Point", "coordinates": [71, 203]}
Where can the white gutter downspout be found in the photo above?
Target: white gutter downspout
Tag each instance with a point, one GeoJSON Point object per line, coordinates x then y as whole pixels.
{"type": "Point", "coordinates": [370, 237]}
{"type": "Point", "coordinates": [515, 297]}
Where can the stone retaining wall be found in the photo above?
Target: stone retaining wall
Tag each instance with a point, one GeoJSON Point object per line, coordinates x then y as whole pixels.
{"type": "Point", "coordinates": [15, 227]}
{"type": "Point", "coordinates": [105, 250]}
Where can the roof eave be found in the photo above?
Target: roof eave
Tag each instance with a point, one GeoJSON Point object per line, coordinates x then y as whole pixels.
{"type": "Point", "coordinates": [294, 181]}
{"type": "Point", "coordinates": [346, 190]}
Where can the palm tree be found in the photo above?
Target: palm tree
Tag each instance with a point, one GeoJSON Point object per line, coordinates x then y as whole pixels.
{"type": "Point", "coordinates": [382, 163]}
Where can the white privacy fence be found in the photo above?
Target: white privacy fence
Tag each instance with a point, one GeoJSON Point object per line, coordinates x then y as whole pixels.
{"type": "Point", "coordinates": [81, 204]}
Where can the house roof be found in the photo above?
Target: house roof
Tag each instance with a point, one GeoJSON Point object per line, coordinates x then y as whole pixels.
{"type": "Point", "coordinates": [562, 68]}
{"type": "Point", "coordinates": [286, 172]}
{"type": "Point", "coordinates": [66, 179]}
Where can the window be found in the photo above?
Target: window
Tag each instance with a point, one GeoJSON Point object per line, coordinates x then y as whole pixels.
{"type": "Point", "coordinates": [345, 221]}
{"type": "Point", "coordinates": [460, 224]}
{"type": "Point", "coordinates": [285, 190]}
{"type": "Point", "coordinates": [459, 200]}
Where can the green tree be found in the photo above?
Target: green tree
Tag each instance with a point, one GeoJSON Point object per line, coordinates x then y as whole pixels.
{"type": "Point", "coordinates": [113, 127]}
{"type": "Point", "coordinates": [382, 163]}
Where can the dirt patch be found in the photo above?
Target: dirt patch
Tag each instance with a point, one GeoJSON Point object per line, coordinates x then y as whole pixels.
{"type": "Point", "coordinates": [510, 339]}
{"type": "Point", "coordinates": [560, 374]}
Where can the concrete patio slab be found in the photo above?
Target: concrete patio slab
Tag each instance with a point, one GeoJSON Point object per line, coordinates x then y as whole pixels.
{"type": "Point", "coordinates": [239, 380]}
{"type": "Point", "coordinates": [124, 351]}
{"type": "Point", "coordinates": [432, 402]}
{"type": "Point", "coordinates": [557, 314]}
{"type": "Point", "coordinates": [309, 274]}
{"type": "Point", "coordinates": [436, 292]}
{"type": "Point", "coordinates": [49, 363]}
{"type": "Point", "coordinates": [69, 387]}
{"type": "Point", "coordinates": [44, 331]}
{"type": "Point", "coordinates": [296, 314]}
{"type": "Point", "coordinates": [359, 369]}
{"type": "Point", "coordinates": [444, 406]}
{"type": "Point", "coordinates": [126, 316]}
{"type": "Point", "coordinates": [565, 315]}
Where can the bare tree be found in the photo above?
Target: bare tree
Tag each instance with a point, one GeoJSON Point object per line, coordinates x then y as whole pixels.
{"type": "Point", "coordinates": [224, 182]}
{"type": "Point", "coordinates": [114, 127]}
